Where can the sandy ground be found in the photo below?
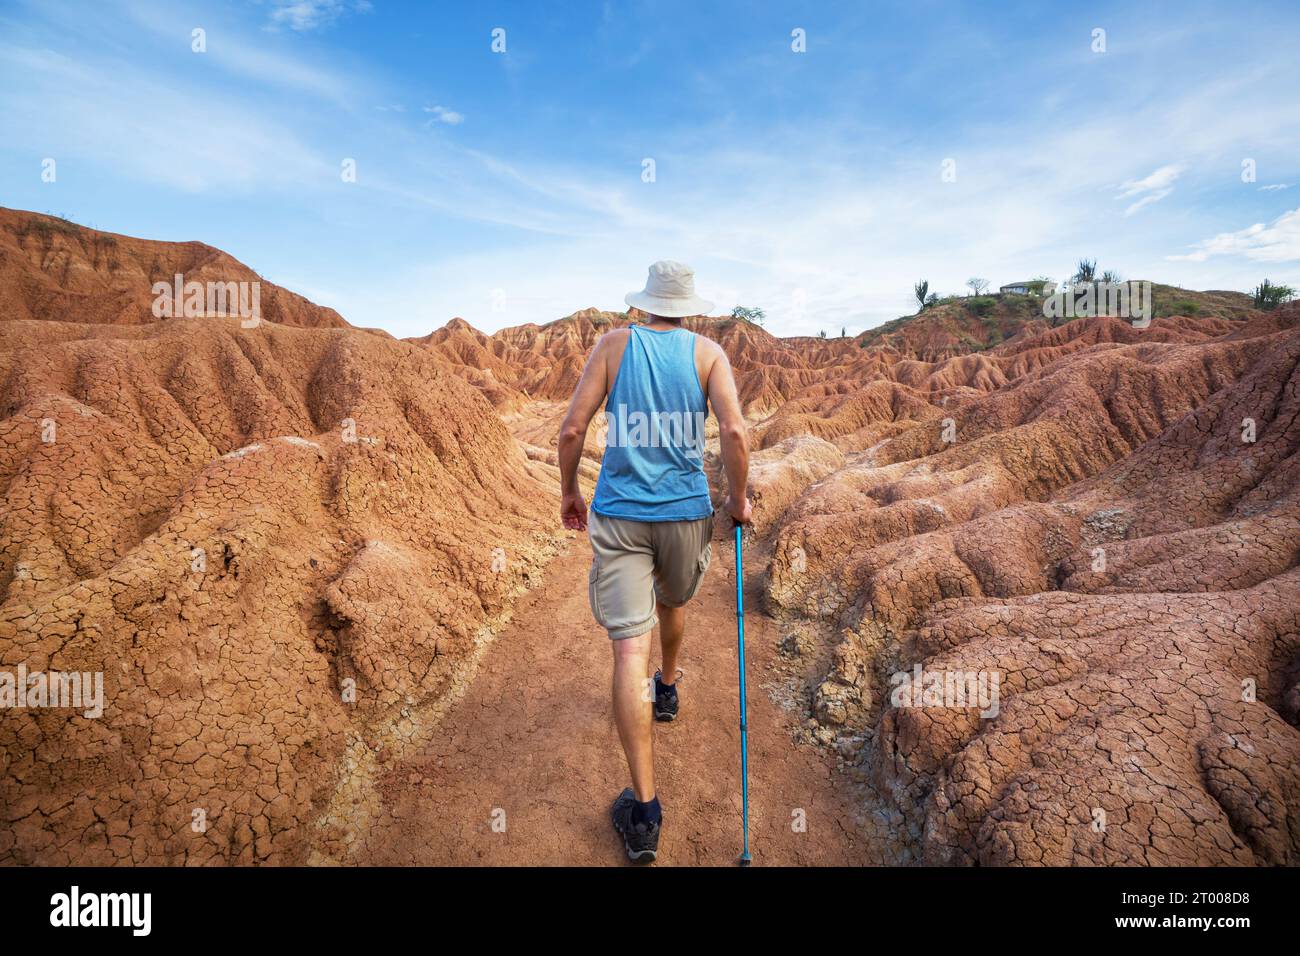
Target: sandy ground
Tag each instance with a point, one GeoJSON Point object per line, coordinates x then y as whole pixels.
{"type": "Point", "coordinates": [523, 768]}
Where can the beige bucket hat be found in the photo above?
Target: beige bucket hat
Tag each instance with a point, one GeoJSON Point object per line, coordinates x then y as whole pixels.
{"type": "Point", "coordinates": [669, 291]}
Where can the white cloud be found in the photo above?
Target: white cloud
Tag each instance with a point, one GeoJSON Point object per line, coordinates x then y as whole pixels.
{"type": "Point", "coordinates": [1274, 187]}
{"type": "Point", "coordinates": [233, 50]}
{"type": "Point", "coordinates": [1161, 178]}
{"type": "Point", "coordinates": [444, 115]}
{"type": "Point", "coordinates": [311, 14]}
{"type": "Point", "coordinates": [841, 250]}
{"type": "Point", "coordinates": [120, 111]}
{"type": "Point", "coordinates": [1152, 188]}
{"type": "Point", "coordinates": [1277, 242]}
{"type": "Point", "coordinates": [1147, 200]}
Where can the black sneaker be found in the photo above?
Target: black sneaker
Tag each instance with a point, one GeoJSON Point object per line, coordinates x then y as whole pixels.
{"type": "Point", "coordinates": [665, 698]}
{"type": "Point", "coordinates": [641, 840]}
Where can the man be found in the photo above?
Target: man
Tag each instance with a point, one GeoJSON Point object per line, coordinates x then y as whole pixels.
{"type": "Point", "coordinates": [652, 517]}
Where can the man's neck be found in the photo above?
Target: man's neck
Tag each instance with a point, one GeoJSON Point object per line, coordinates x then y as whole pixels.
{"type": "Point", "coordinates": [662, 324]}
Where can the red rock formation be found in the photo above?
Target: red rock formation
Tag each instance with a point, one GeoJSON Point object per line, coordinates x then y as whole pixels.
{"type": "Point", "coordinates": [231, 525]}
{"type": "Point", "coordinates": [1100, 536]}
{"type": "Point", "coordinates": [54, 269]}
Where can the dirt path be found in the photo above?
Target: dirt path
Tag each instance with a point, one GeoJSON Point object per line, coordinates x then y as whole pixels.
{"type": "Point", "coordinates": [532, 745]}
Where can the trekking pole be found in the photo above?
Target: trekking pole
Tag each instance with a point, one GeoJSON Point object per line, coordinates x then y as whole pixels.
{"type": "Point", "coordinates": [745, 858]}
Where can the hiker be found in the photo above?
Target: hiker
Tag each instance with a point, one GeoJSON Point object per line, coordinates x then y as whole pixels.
{"type": "Point", "coordinates": [651, 516]}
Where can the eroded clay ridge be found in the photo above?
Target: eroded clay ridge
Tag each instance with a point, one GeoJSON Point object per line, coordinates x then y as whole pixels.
{"type": "Point", "coordinates": [1114, 533]}
{"type": "Point", "coordinates": [234, 525]}
{"type": "Point", "coordinates": [530, 363]}
{"type": "Point", "coordinates": [54, 269]}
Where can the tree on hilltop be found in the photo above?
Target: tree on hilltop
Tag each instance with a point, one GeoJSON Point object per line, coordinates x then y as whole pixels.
{"type": "Point", "coordinates": [754, 315]}
{"type": "Point", "coordinates": [1269, 296]}
{"type": "Point", "coordinates": [921, 290]}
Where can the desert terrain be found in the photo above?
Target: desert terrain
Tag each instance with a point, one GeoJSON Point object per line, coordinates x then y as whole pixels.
{"type": "Point", "coordinates": [322, 573]}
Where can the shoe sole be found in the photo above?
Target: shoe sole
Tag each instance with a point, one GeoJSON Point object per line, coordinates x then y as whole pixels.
{"type": "Point", "coordinates": [642, 857]}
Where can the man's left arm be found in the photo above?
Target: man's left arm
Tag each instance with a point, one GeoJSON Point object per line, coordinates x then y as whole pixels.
{"type": "Point", "coordinates": [587, 398]}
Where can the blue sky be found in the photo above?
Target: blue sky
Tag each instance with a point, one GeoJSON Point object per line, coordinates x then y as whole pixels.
{"type": "Point", "coordinates": [509, 187]}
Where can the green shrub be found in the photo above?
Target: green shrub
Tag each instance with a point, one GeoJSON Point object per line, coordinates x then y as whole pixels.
{"type": "Point", "coordinates": [1269, 296]}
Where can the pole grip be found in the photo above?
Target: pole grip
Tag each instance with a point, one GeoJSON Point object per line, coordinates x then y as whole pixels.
{"type": "Point", "coordinates": [740, 581]}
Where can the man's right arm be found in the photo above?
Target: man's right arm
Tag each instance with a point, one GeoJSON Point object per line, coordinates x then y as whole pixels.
{"type": "Point", "coordinates": [731, 435]}
{"type": "Point", "coordinates": [587, 397]}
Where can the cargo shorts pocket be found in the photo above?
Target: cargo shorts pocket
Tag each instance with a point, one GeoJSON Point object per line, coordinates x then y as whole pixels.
{"type": "Point", "coordinates": [701, 566]}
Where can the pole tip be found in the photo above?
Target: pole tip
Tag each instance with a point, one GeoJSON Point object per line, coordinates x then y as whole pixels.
{"type": "Point", "coordinates": [745, 859]}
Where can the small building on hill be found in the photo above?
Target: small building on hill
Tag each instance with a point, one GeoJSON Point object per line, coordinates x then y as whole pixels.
{"type": "Point", "coordinates": [1029, 287]}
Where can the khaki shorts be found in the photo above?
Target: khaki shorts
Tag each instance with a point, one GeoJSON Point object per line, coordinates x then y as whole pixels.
{"type": "Point", "coordinates": [636, 563]}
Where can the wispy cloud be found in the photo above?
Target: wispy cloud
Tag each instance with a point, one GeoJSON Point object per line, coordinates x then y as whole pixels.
{"type": "Point", "coordinates": [149, 132]}
{"type": "Point", "coordinates": [240, 53]}
{"type": "Point", "coordinates": [443, 115]}
{"type": "Point", "coordinates": [1275, 187]}
{"type": "Point", "coordinates": [1279, 241]}
{"type": "Point", "coordinates": [1151, 189]}
{"type": "Point", "coordinates": [305, 15]}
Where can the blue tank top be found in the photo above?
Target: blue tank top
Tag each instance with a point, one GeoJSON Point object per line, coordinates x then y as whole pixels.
{"type": "Point", "coordinates": [653, 468]}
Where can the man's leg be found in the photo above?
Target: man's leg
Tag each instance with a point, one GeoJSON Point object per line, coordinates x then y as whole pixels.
{"type": "Point", "coordinates": [672, 624]}
{"type": "Point", "coordinates": [632, 711]}
{"type": "Point", "coordinates": [622, 599]}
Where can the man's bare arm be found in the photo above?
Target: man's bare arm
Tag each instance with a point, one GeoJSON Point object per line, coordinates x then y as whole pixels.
{"type": "Point", "coordinates": [732, 437]}
{"type": "Point", "coordinates": [587, 398]}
